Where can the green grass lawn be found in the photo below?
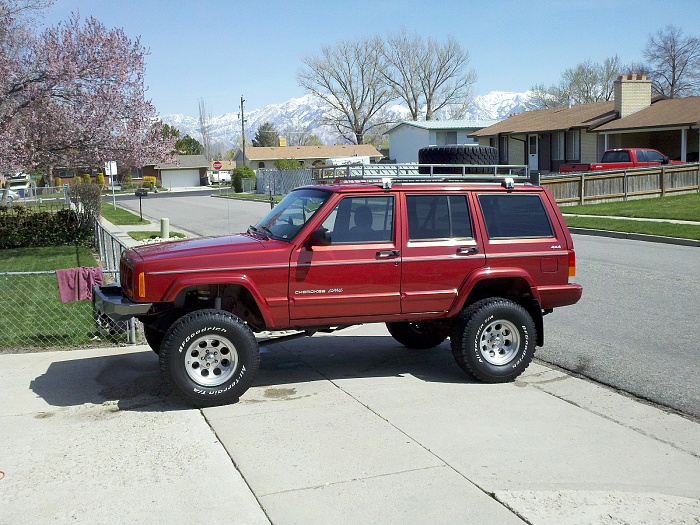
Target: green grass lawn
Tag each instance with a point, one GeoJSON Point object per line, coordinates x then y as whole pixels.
{"type": "Point", "coordinates": [141, 235]}
{"type": "Point", "coordinates": [678, 207]}
{"type": "Point", "coordinates": [32, 314]}
{"type": "Point", "coordinates": [121, 217]}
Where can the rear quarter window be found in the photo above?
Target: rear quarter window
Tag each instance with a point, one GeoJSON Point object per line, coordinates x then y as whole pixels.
{"type": "Point", "coordinates": [515, 216]}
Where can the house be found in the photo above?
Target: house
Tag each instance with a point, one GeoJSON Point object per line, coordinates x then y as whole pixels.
{"type": "Point", "coordinates": [187, 171]}
{"type": "Point", "coordinates": [544, 139]}
{"type": "Point", "coordinates": [265, 157]}
{"type": "Point", "coordinates": [406, 138]}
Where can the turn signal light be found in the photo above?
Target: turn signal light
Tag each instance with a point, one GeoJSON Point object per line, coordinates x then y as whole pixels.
{"type": "Point", "coordinates": [142, 284]}
{"type": "Point", "coordinates": [572, 264]}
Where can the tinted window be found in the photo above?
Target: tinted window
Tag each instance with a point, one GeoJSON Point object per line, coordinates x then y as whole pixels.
{"type": "Point", "coordinates": [361, 220]}
{"type": "Point", "coordinates": [653, 156]}
{"type": "Point", "coordinates": [510, 216]}
{"type": "Point", "coordinates": [438, 217]}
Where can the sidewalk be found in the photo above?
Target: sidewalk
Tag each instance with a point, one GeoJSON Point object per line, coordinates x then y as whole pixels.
{"type": "Point", "coordinates": [342, 428]}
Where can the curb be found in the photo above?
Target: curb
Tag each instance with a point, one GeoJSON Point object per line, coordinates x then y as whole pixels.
{"type": "Point", "coordinates": [636, 237]}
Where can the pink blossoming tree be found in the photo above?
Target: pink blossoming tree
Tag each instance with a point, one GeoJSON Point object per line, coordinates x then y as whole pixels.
{"type": "Point", "coordinates": [74, 97]}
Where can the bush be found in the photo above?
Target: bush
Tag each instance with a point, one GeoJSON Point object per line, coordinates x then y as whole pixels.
{"type": "Point", "coordinates": [149, 181]}
{"type": "Point", "coordinates": [100, 180]}
{"type": "Point", "coordinates": [57, 181]}
{"type": "Point", "coordinates": [21, 227]}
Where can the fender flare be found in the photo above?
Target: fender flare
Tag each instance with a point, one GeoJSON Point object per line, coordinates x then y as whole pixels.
{"type": "Point", "coordinates": [486, 273]}
{"type": "Point", "coordinates": [195, 280]}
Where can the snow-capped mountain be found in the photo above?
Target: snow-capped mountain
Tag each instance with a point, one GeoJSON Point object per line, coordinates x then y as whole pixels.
{"type": "Point", "coordinates": [303, 115]}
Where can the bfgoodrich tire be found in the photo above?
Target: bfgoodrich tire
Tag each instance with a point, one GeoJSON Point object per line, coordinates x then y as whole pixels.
{"type": "Point", "coordinates": [457, 154]}
{"type": "Point", "coordinates": [416, 335]}
{"type": "Point", "coordinates": [209, 357]}
{"type": "Point", "coordinates": [494, 340]}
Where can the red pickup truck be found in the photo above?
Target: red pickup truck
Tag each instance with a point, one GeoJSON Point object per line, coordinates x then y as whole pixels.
{"type": "Point", "coordinates": [623, 158]}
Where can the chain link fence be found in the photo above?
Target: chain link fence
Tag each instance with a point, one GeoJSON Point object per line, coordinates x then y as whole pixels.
{"type": "Point", "coordinates": [32, 316]}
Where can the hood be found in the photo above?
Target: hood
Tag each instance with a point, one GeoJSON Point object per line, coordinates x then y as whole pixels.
{"type": "Point", "coordinates": [204, 246]}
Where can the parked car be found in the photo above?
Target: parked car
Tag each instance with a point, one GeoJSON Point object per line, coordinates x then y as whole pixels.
{"type": "Point", "coordinates": [11, 196]}
{"type": "Point", "coordinates": [477, 261]}
{"type": "Point", "coordinates": [622, 158]}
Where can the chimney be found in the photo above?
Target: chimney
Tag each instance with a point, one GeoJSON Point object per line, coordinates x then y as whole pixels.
{"type": "Point", "coordinates": [632, 93]}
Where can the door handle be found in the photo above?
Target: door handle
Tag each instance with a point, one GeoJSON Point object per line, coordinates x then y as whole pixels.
{"type": "Point", "coordinates": [468, 251]}
{"type": "Point", "coordinates": [388, 254]}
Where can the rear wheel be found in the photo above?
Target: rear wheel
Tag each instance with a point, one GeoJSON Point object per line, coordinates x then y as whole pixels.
{"type": "Point", "coordinates": [494, 340]}
{"type": "Point", "coordinates": [416, 335]}
{"type": "Point", "coordinates": [209, 357]}
{"type": "Point", "coordinates": [154, 337]}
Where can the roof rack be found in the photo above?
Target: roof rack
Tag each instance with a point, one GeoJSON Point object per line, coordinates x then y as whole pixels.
{"type": "Point", "coordinates": [425, 173]}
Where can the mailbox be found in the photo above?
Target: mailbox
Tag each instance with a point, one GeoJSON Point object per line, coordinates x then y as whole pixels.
{"type": "Point", "coordinates": [141, 192]}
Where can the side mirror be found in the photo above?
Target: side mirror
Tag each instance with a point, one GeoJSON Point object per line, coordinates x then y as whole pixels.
{"type": "Point", "coordinates": [666, 160]}
{"type": "Point", "coordinates": [320, 237]}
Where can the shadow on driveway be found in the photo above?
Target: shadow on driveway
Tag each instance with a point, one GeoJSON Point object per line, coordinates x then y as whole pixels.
{"type": "Point", "coordinates": [133, 381]}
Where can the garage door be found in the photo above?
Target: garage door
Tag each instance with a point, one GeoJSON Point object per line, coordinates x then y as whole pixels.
{"type": "Point", "coordinates": [180, 178]}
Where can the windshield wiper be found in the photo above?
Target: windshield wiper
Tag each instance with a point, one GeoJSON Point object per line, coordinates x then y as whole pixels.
{"type": "Point", "coordinates": [253, 229]}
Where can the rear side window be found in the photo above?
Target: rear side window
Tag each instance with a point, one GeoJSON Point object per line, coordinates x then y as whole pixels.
{"type": "Point", "coordinates": [434, 217]}
{"type": "Point", "coordinates": [511, 216]}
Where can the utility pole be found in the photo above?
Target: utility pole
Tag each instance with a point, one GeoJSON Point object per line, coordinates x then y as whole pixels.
{"type": "Point", "coordinates": [242, 117]}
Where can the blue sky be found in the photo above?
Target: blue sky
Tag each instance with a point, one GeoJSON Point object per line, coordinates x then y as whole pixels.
{"type": "Point", "coordinates": [219, 50]}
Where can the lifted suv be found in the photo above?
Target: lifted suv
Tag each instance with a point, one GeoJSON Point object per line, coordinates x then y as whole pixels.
{"type": "Point", "coordinates": [433, 257]}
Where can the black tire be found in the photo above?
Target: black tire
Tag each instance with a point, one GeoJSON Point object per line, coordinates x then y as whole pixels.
{"type": "Point", "coordinates": [154, 337]}
{"type": "Point", "coordinates": [457, 154]}
{"type": "Point", "coordinates": [209, 357]}
{"type": "Point", "coordinates": [416, 335]}
{"type": "Point", "coordinates": [494, 340]}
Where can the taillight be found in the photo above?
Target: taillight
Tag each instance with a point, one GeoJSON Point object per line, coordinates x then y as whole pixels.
{"type": "Point", "coordinates": [572, 263]}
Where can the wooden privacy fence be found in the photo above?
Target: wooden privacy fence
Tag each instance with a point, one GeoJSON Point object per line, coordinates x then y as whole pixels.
{"type": "Point", "coordinates": [614, 185]}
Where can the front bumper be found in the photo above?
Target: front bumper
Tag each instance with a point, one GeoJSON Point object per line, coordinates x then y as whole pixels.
{"type": "Point", "coordinates": [110, 301]}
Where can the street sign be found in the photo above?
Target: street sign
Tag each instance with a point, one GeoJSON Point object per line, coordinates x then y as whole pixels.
{"type": "Point", "coordinates": [217, 165]}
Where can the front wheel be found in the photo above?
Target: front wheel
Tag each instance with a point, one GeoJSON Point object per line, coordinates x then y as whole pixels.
{"type": "Point", "coordinates": [416, 335]}
{"type": "Point", "coordinates": [209, 357]}
{"type": "Point", "coordinates": [494, 340]}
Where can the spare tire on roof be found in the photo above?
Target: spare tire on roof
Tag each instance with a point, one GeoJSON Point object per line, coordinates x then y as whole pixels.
{"type": "Point", "coordinates": [457, 154]}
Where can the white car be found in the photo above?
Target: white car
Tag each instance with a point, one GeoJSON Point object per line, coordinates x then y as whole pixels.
{"type": "Point", "coordinates": [11, 196]}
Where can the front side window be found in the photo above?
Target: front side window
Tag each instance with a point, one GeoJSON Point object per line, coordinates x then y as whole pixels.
{"type": "Point", "coordinates": [651, 156]}
{"type": "Point", "coordinates": [360, 220]}
{"type": "Point", "coordinates": [435, 217]}
{"type": "Point", "coordinates": [512, 216]}
{"type": "Point", "coordinates": [285, 220]}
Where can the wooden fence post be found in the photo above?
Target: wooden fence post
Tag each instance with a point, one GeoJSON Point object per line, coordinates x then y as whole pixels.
{"type": "Point", "coordinates": [582, 189]}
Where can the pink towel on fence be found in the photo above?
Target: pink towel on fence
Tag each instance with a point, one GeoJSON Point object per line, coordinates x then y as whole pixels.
{"type": "Point", "coordinates": [75, 284]}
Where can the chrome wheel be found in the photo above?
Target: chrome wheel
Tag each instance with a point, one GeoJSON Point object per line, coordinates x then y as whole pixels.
{"type": "Point", "coordinates": [211, 360]}
{"type": "Point", "coordinates": [499, 342]}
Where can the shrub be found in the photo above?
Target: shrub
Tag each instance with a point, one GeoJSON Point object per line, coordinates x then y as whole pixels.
{"type": "Point", "coordinates": [126, 181]}
{"type": "Point", "coordinates": [57, 181]}
{"type": "Point", "coordinates": [100, 180]}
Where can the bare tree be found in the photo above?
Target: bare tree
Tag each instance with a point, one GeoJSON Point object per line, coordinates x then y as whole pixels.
{"type": "Point", "coordinates": [349, 79]}
{"type": "Point", "coordinates": [205, 129]}
{"type": "Point", "coordinates": [445, 80]}
{"type": "Point", "coordinates": [585, 83]}
{"type": "Point", "coordinates": [674, 62]}
{"type": "Point", "coordinates": [405, 56]}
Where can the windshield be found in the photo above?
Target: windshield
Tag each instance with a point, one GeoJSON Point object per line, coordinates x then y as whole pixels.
{"type": "Point", "coordinates": [286, 219]}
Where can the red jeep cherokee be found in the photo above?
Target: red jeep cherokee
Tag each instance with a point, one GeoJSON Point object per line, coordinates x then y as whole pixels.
{"type": "Point", "coordinates": [478, 262]}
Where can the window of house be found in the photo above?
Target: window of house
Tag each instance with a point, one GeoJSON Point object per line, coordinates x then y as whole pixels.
{"type": "Point", "coordinates": [511, 216]}
{"type": "Point", "coordinates": [357, 220]}
{"type": "Point", "coordinates": [503, 149]}
{"type": "Point", "coordinates": [573, 144]}
{"type": "Point", "coordinates": [558, 145]}
{"type": "Point", "coordinates": [434, 217]}
{"type": "Point", "coordinates": [444, 138]}
{"type": "Point", "coordinates": [261, 164]}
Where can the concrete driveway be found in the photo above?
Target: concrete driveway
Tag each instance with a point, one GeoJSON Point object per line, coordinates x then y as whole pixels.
{"type": "Point", "coordinates": [342, 428]}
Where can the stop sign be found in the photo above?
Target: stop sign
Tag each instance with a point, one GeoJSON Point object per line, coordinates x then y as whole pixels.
{"type": "Point", "coordinates": [217, 165]}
